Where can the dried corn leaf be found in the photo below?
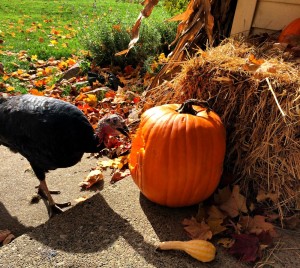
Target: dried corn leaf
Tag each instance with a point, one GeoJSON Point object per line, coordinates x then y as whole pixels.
{"type": "Point", "coordinates": [145, 13]}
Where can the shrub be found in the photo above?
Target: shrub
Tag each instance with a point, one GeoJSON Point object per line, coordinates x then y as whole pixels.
{"type": "Point", "coordinates": [175, 6]}
{"type": "Point", "coordinates": [107, 36]}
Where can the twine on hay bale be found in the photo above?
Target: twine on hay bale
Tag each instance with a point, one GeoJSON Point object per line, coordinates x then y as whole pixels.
{"type": "Point", "coordinates": [259, 103]}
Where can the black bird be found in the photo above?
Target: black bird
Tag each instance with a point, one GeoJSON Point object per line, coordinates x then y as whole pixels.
{"type": "Point", "coordinates": [51, 134]}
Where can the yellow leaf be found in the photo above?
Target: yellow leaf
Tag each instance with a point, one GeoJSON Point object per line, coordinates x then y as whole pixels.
{"type": "Point", "coordinates": [40, 73]}
{"type": "Point", "coordinates": [48, 70]}
{"type": "Point", "coordinates": [53, 43]}
{"type": "Point", "coordinates": [70, 61]}
{"type": "Point", "coordinates": [62, 65]}
{"type": "Point", "coordinates": [10, 88]}
{"type": "Point", "coordinates": [114, 163]}
{"type": "Point", "coordinates": [34, 57]}
{"type": "Point", "coordinates": [91, 99]}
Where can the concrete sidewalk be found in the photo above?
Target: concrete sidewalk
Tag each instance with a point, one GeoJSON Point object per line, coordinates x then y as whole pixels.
{"type": "Point", "coordinates": [115, 227]}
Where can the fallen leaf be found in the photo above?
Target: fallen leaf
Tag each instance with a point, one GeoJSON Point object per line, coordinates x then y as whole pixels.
{"type": "Point", "coordinates": [2, 69]}
{"type": "Point", "coordinates": [262, 196]}
{"type": "Point", "coordinates": [112, 142]}
{"type": "Point", "coordinates": [36, 92]}
{"type": "Point", "coordinates": [81, 199]}
{"type": "Point", "coordinates": [256, 61]}
{"type": "Point", "coordinates": [265, 239]}
{"type": "Point", "coordinates": [246, 247]}
{"type": "Point", "coordinates": [197, 230]}
{"type": "Point", "coordinates": [292, 222]}
{"type": "Point", "coordinates": [93, 177]}
{"type": "Point", "coordinates": [119, 175]}
{"type": "Point", "coordinates": [226, 242]}
{"type": "Point", "coordinates": [257, 224]}
{"type": "Point", "coordinates": [216, 226]}
{"type": "Point", "coordinates": [117, 27]}
{"type": "Point", "coordinates": [91, 99]}
{"type": "Point", "coordinates": [116, 163]}
{"type": "Point", "coordinates": [222, 196]}
{"type": "Point", "coordinates": [8, 239]}
{"type": "Point", "coordinates": [215, 219]}
{"type": "Point", "coordinates": [4, 234]}
{"type": "Point", "coordinates": [235, 204]}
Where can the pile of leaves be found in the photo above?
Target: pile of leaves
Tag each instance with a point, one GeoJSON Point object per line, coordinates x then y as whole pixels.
{"type": "Point", "coordinates": [234, 223]}
{"type": "Point", "coordinates": [72, 80]}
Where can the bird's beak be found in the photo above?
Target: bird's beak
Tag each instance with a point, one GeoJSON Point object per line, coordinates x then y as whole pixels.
{"type": "Point", "coordinates": [124, 130]}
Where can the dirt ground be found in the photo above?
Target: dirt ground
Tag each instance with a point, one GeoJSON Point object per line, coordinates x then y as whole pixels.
{"type": "Point", "coordinates": [114, 227]}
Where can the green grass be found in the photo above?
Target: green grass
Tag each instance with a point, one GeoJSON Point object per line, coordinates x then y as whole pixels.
{"type": "Point", "coordinates": [50, 28]}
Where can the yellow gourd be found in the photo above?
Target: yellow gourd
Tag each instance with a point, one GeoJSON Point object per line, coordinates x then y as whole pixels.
{"type": "Point", "coordinates": [199, 249]}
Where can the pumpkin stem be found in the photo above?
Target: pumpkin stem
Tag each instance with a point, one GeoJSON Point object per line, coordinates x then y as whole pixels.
{"type": "Point", "coordinates": [187, 106]}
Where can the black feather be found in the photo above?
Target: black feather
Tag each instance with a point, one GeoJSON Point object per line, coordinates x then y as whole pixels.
{"type": "Point", "coordinates": [50, 133]}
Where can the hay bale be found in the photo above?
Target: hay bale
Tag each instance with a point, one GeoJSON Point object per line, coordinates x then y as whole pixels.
{"type": "Point", "coordinates": [259, 103]}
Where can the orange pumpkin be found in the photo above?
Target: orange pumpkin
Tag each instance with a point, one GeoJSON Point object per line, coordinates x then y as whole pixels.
{"type": "Point", "coordinates": [177, 154]}
{"type": "Point", "coordinates": [290, 32]}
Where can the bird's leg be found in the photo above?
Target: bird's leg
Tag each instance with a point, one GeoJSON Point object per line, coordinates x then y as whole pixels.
{"type": "Point", "coordinates": [53, 208]}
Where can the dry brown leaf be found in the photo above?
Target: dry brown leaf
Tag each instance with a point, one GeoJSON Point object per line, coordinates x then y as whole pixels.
{"type": "Point", "coordinates": [216, 226]}
{"type": "Point", "coordinates": [145, 13]}
{"type": "Point", "coordinates": [292, 222]}
{"type": "Point", "coordinates": [235, 204]}
{"type": "Point", "coordinates": [4, 234]}
{"type": "Point", "coordinates": [215, 213]}
{"type": "Point", "coordinates": [262, 196]}
{"type": "Point", "coordinates": [226, 242]}
{"type": "Point", "coordinates": [2, 72]}
{"type": "Point", "coordinates": [257, 225]}
{"type": "Point", "coordinates": [8, 239]}
{"type": "Point", "coordinates": [197, 17]}
{"type": "Point", "coordinates": [119, 175]}
{"type": "Point", "coordinates": [197, 230]}
{"type": "Point", "coordinates": [215, 219]}
{"type": "Point", "coordinates": [201, 214]}
{"type": "Point", "coordinates": [93, 177]}
{"type": "Point", "coordinates": [222, 196]}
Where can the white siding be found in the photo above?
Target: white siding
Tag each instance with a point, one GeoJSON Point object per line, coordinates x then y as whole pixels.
{"type": "Point", "coordinates": [266, 16]}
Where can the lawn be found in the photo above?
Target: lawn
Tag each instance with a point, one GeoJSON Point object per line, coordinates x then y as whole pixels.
{"type": "Point", "coordinates": [53, 28]}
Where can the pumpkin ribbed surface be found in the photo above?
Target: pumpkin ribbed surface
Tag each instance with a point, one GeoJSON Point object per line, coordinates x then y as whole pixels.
{"type": "Point", "coordinates": [176, 159]}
